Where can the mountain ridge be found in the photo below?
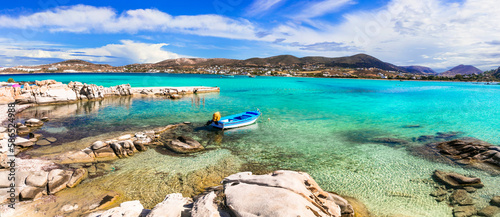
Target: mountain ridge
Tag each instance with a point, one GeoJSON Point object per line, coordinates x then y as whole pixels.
{"type": "Point", "coordinates": [461, 70]}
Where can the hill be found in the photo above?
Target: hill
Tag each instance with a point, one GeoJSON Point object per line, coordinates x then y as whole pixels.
{"type": "Point", "coordinates": [363, 61]}
{"type": "Point", "coordinates": [461, 70]}
{"type": "Point", "coordinates": [419, 70]}
{"type": "Point", "coordinates": [497, 73]}
{"type": "Point", "coordinates": [356, 61]}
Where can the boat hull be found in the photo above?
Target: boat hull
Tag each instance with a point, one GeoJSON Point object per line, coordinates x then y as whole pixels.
{"type": "Point", "coordinates": [229, 122]}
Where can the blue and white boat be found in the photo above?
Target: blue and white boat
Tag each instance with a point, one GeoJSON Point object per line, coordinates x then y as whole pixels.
{"type": "Point", "coordinates": [237, 120]}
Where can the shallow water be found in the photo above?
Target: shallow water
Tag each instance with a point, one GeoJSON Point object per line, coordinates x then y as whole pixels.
{"type": "Point", "coordinates": [321, 126]}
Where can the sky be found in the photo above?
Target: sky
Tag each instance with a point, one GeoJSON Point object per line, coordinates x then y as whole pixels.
{"type": "Point", "coordinates": [439, 34]}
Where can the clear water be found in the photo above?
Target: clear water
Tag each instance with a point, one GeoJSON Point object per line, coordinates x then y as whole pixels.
{"type": "Point", "coordinates": [321, 126]}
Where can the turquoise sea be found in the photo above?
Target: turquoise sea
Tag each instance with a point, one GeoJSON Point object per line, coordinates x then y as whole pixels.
{"type": "Point", "coordinates": [326, 127]}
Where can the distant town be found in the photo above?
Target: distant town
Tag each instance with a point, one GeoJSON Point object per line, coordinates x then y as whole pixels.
{"type": "Point", "coordinates": [357, 66]}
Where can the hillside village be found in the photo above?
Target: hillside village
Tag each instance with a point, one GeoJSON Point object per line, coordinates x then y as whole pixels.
{"type": "Point", "coordinates": [357, 66]}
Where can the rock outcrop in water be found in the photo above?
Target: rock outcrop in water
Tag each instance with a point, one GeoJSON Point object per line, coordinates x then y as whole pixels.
{"type": "Point", "coordinates": [467, 152]}
{"type": "Point", "coordinates": [51, 91]}
{"type": "Point", "coordinates": [281, 193]}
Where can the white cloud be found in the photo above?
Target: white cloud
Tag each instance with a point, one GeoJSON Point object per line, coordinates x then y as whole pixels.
{"type": "Point", "coordinates": [125, 52]}
{"type": "Point", "coordinates": [321, 8]}
{"type": "Point", "coordinates": [262, 6]}
{"type": "Point", "coordinates": [90, 19]}
{"type": "Point", "coordinates": [430, 32]}
{"type": "Point", "coordinates": [135, 52]}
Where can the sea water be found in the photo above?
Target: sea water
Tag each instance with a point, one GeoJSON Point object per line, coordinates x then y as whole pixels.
{"type": "Point", "coordinates": [321, 126]}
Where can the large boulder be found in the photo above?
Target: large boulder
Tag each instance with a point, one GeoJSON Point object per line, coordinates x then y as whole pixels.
{"type": "Point", "coordinates": [205, 207]}
{"type": "Point", "coordinates": [184, 144]}
{"type": "Point", "coordinates": [174, 205]}
{"type": "Point", "coordinates": [71, 157]}
{"type": "Point", "coordinates": [105, 153]}
{"type": "Point", "coordinates": [282, 193]}
{"type": "Point", "coordinates": [31, 193]}
{"type": "Point", "coordinates": [78, 176]}
{"type": "Point", "coordinates": [126, 209]}
{"type": "Point", "coordinates": [58, 180]}
{"type": "Point", "coordinates": [37, 179]}
{"type": "Point", "coordinates": [98, 145]}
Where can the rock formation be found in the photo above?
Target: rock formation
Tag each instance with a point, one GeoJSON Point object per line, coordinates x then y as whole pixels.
{"type": "Point", "coordinates": [281, 193]}
{"type": "Point", "coordinates": [468, 152]}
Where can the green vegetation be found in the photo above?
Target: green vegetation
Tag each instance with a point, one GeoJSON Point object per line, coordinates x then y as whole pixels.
{"type": "Point", "coordinates": [10, 80]}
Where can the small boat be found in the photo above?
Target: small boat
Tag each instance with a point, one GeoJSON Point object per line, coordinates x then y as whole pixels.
{"type": "Point", "coordinates": [227, 76]}
{"type": "Point", "coordinates": [237, 120]}
{"type": "Point", "coordinates": [251, 76]}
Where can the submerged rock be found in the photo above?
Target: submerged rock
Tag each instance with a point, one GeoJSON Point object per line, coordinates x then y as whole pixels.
{"type": "Point", "coordinates": [455, 180]}
{"type": "Point", "coordinates": [184, 144]}
{"type": "Point", "coordinates": [489, 211]}
{"type": "Point", "coordinates": [392, 142]}
{"type": "Point", "coordinates": [466, 152]}
{"type": "Point", "coordinates": [495, 201]}
{"type": "Point", "coordinates": [464, 211]}
{"type": "Point", "coordinates": [461, 197]}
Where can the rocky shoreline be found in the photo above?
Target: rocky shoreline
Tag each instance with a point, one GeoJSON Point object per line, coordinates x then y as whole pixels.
{"type": "Point", "coordinates": [281, 193]}
{"type": "Point", "coordinates": [51, 91]}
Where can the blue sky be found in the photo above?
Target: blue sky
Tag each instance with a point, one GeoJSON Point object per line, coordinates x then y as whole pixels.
{"type": "Point", "coordinates": [435, 33]}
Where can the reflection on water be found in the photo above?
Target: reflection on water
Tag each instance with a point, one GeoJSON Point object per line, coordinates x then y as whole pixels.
{"type": "Point", "coordinates": [78, 108]}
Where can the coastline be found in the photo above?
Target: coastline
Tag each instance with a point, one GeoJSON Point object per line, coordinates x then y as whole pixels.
{"type": "Point", "coordinates": [351, 78]}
